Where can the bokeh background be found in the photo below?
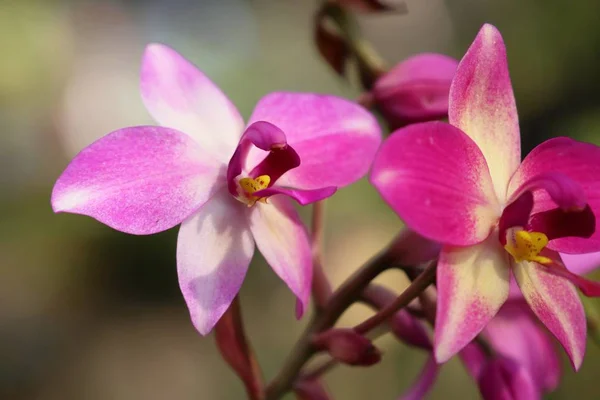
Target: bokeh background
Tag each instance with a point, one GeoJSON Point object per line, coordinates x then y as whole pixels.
{"type": "Point", "coordinates": [90, 313]}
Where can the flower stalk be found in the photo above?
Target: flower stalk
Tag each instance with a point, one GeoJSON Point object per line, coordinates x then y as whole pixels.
{"type": "Point", "coordinates": [236, 351]}
{"type": "Point", "coordinates": [342, 298]}
{"type": "Point", "coordinates": [426, 278]}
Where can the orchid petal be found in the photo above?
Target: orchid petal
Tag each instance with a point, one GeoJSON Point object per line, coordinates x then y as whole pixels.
{"type": "Point", "coordinates": [581, 263]}
{"type": "Point", "coordinates": [214, 249]}
{"type": "Point", "coordinates": [424, 382]}
{"type": "Point", "coordinates": [564, 191]}
{"type": "Point", "coordinates": [555, 302]}
{"type": "Point", "coordinates": [472, 286]}
{"type": "Point", "coordinates": [335, 138]}
{"type": "Point", "coordinates": [588, 287]}
{"type": "Point", "coordinates": [474, 359]}
{"type": "Point", "coordinates": [138, 180]}
{"type": "Point", "coordinates": [267, 137]}
{"type": "Point", "coordinates": [283, 241]}
{"type": "Point", "coordinates": [482, 104]}
{"type": "Point", "coordinates": [180, 96]}
{"type": "Point", "coordinates": [436, 179]}
{"type": "Point", "coordinates": [505, 379]}
{"type": "Point", "coordinates": [515, 334]}
{"type": "Point", "coordinates": [303, 197]}
{"type": "Point", "coordinates": [581, 163]}
{"type": "Point", "coordinates": [558, 223]}
{"type": "Point", "coordinates": [517, 213]}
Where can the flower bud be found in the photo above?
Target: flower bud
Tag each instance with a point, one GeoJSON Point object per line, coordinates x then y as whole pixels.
{"type": "Point", "coordinates": [348, 347]}
{"type": "Point", "coordinates": [416, 89]}
{"type": "Point", "coordinates": [504, 379]}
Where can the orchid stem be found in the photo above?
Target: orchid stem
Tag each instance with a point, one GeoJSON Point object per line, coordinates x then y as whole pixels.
{"type": "Point", "coordinates": [371, 64]}
{"type": "Point", "coordinates": [320, 369]}
{"type": "Point", "coordinates": [339, 301]}
{"type": "Point", "coordinates": [426, 278]}
{"type": "Point", "coordinates": [236, 351]}
{"type": "Point", "coordinates": [321, 289]}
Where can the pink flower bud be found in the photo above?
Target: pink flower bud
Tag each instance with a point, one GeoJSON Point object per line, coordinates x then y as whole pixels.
{"type": "Point", "coordinates": [416, 89]}
{"type": "Point", "coordinates": [504, 379]}
{"type": "Point", "coordinates": [348, 347]}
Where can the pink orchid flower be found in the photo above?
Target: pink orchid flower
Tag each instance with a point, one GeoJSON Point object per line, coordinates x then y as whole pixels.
{"type": "Point", "coordinates": [515, 335]}
{"type": "Point", "coordinates": [228, 186]}
{"type": "Point", "coordinates": [462, 184]}
{"type": "Point", "coordinates": [503, 379]}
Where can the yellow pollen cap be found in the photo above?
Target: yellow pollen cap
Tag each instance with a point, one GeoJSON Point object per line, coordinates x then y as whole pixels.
{"type": "Point", "coordinates": [526, 246]}
{"type": "Point", "coordinates": [250, 186]}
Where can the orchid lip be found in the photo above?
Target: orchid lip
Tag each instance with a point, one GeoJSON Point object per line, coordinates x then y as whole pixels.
{"type": "Point", "coordinates": [267, 137]}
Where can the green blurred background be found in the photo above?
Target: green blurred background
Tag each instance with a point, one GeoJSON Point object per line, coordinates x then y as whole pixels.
{"type": "Point", "coordinates": [90, 313]}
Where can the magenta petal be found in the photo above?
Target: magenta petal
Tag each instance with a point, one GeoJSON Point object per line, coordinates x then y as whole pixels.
{"type": "Point", "coordinates": [436, 179]}
{"type": "Point", "coordinates": [472, 285]}
{"type": "Point", "coordinates": [424, 382]}
{"type": "Point", "coordinates": [283, 241]}
{"type": "Point", "coordinates": [267, 137]}
{"type": "Point", "coordinates": [278, 162]}
{"type": "Point", "coordinates": [505, 379]}
{"type": "Point", "coordinates": [180, 96]}
{"type": "Point", "coordinates": [474, 359]}
{"type": "Point", "coordinates": [335, 138]}
{"type": "Point", "coordinates": [214, 250]}
{"type": "Point", "coordinates": [558, 223]}
{"type": "Point", "coordinates": [516, 213]}
{"type": "Point", "coordinates": [581, 163]}
{"type": "Point", "coordinates": [564, 191]}
{"type": "Point", "coordinates": [581, 263]}
{"type": "Point", "coordinates": [588, 288]}
{"type": "Point", "coordinates": [139, 180]}
{"type": "Point", "coordinates": [482, 104]}
{"type": "Point", "coordinates": [555, 302]}
{"type": "Point", "coordinates": [516, 334]}
{"type": "Point", "coordinates": [303, 197]}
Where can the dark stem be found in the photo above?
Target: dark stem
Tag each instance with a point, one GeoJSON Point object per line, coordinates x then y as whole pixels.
{"type": "Point", "coordinates": [320, 369]}
{"type": "Point", "coordinates": [426, 278]}
{"type": "Point", "coordinates": [371, 64]}
{"type": "Point", "coordinates": [341, 299]}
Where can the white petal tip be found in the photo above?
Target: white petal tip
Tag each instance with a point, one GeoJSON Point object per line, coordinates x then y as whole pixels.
{"type": "Point", "coordinates": [576, 361]}
{"type": "Point", "coordinates": [155, 47]}
{"type": "Point", "coordinates": [204, 327]}
{"type": "Point", "coordinates": [68, 201]}
{"type": "Point", "coordinates": [490, 33]}
{"type": "Point", "coordinates": [442, 354]}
